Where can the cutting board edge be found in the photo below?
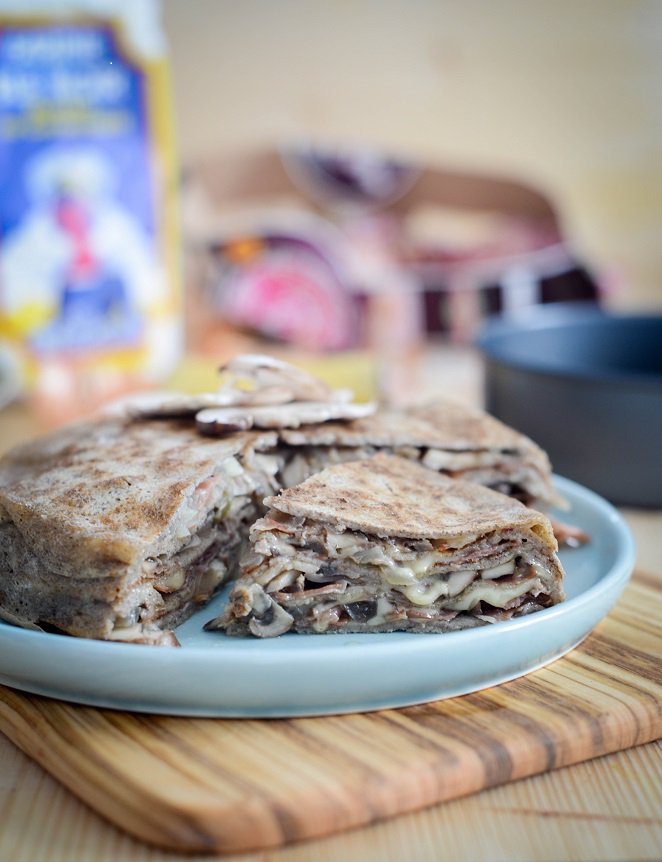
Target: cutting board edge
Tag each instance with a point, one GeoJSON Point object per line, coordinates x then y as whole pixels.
{"type": "Point", "coordinates": [251, 825]}
{"type": "Point", "coordinates": [630, 716]}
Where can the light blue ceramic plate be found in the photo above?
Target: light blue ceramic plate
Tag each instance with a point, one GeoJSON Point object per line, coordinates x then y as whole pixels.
{"type": "Point", "coordinates": [295, 675]}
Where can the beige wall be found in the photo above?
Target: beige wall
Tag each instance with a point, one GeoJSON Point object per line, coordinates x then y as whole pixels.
{"type": "Point", "coordinates": [564, 93]}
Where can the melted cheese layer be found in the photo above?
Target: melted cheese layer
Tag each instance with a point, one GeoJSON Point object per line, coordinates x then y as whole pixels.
{"type": "Point", "coordinates": [496, 594]}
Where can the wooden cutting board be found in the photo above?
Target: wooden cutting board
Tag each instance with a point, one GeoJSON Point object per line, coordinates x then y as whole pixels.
{"type": "Point", "coordinates": [228, 785]}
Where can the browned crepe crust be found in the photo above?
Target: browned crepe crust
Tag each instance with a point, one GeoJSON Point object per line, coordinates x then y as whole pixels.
{"type": "Point", "coordinates": [390, 496]}
{"type": "Point", "coordinates": [440, 424]}
{"type": "Point", "coordinates": [108, 490]}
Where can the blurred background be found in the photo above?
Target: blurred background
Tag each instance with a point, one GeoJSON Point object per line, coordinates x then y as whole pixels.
{"type": "Point", "coordinates": [356, 185]}
{"type": "Point", "coordinates": [559, 95]}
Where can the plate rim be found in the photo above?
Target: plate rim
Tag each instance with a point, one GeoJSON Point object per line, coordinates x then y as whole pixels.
{"type": "Point", "coordinates": [260, 679]}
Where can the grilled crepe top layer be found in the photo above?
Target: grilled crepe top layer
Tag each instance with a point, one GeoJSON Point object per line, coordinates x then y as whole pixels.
{"type": "Point", "coordinates": [392, 497]}
{"type": "Point", "coordinates": [110, 490]}
{"type": "Point", "coordinates": [446, 436]}
{"type": "Point", "coordinates": [440, 424]}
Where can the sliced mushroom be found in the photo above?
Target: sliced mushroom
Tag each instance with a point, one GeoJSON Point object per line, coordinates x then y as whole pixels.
{"type": "Point", "coordinates": [266, 618]}
{"type": "Point", "coordinates": [153, 404]}
{"type": "Point", "coordinates": [272, 622]}
{"type": "Point", "coordinates": [361, 612]}
{"type": "Point", "coordinates": [257, 379]}
{"type": "Point", "coordinates": [140, 634]}
{"type": "Point", "coordinates": [247, 380]}
{"type": "Point", "coordinates": [223, 420]}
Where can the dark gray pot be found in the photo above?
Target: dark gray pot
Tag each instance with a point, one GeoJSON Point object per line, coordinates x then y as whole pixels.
{"type": "Point", "coordinates": [587, 387]}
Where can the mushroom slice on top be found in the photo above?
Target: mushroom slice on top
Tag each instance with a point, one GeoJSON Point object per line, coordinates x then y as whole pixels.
{"type": "Point", "coordinates": [165, 405]}
{"type": "Point", "coordinates": [247, 380]}
{"type": "Point", "coordinates": [225, 419]}
{"type": "Point", "coordinates": [255, 379]}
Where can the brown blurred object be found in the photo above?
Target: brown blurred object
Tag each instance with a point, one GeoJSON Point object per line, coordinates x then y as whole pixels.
{"type": "Point", "coordinates": [319, 252]}
{"type": "Point", "coordinates": [469, 245]}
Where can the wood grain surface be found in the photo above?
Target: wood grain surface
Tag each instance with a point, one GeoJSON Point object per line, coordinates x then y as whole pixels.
{"type": "Point", "coordinates": [230, 785]}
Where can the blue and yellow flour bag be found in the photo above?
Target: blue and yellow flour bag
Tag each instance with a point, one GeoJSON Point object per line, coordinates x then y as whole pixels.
{"type": "Point", "coordinates": [89, 295]}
